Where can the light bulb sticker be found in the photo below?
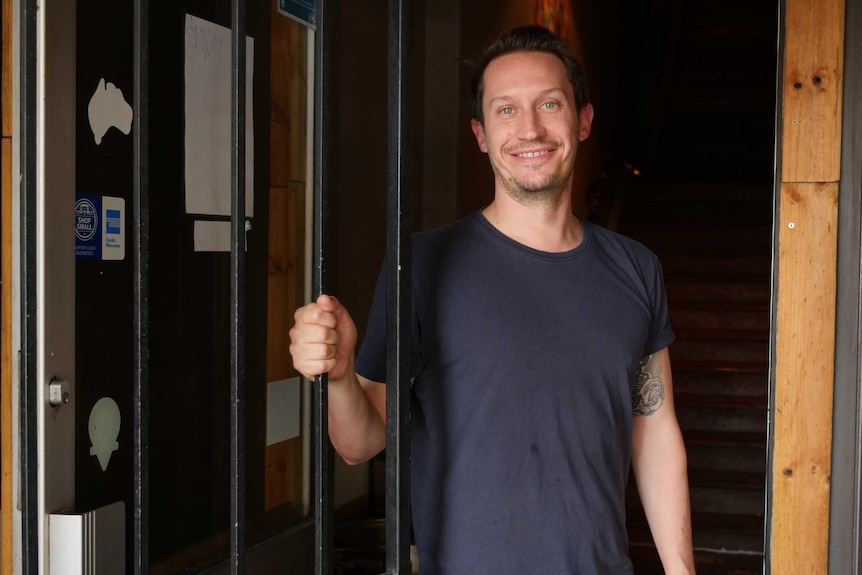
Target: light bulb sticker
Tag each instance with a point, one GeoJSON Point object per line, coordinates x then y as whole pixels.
{"type": "Point", "coordinates": [104, 428]}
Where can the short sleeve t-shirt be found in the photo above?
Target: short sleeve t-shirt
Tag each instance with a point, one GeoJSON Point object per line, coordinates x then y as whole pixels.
{"type": "Point", "coordinates": [524, 363]}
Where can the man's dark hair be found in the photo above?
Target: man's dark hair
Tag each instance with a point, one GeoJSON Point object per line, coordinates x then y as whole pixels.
{"type": "Point", "coordinates": [528, 39]}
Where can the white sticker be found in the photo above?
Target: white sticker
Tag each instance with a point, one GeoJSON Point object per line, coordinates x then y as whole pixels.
{"type": "Point", "coordinates": [104, 428]}
{"type": "Point", "coordinates": [114, 228]}
{"type": "Point", "coordinates": [282, 410]}
{"type": "Point", "coordinates": [108, 109]}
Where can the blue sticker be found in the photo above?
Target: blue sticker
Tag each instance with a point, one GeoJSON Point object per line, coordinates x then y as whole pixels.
{"type": "Point", "coordinates": [88, 239]}
{"type": "Point", "coordinates": [304, 11]}
{"type": "Point", "coordinates": [112, 221]}
{"type": "Point", "coordinates": [99, 228]}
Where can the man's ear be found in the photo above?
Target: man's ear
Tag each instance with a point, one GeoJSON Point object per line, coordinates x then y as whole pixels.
{"type": "Point", "coordinates": [479, 132]}
{"type": "Point", "coordinates": [585, 119]}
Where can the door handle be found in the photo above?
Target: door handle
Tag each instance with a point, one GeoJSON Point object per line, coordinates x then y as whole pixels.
{"type": "Point", "coordinates": [58, 393]}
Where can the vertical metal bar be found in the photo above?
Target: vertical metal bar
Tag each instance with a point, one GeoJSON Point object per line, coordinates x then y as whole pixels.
{"type": "Point", "coordinates": [399, 215]}
{"type": "Point", "coordinates": [28, 381]}
{"type": "Point", "coordinates": [141, 247]}
{"type": "Point", "coordinates": [324, 75]}
{"type": "Point", "coordinates": [237, 260]}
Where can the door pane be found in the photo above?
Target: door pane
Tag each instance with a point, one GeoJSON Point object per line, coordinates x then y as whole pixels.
{"type": "Point", "coordinates": [189, 290]}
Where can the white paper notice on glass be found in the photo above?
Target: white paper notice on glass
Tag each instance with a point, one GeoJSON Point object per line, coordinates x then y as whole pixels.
{"type": "Point", "coordinates": [207, 111]}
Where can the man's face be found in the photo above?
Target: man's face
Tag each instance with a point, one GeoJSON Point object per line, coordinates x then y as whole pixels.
{"type": "Point", "coordinates": [532, 127]}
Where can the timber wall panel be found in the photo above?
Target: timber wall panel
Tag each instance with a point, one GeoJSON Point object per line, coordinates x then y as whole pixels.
{"type": "Point", "coordinates": [813, 87]}
{"type": "Point", "coordinates": [6, 74]}
{"type": "Point", "coordinates": [6, 506]}
{"type": "Point", "coordinates": [288, 83]}
{"type": "Point", "coordinates": [806, 286]}
{"type": "Point", "coordinates": [804, 377]}
{"type": "Point", "coordinates": [6, 356]}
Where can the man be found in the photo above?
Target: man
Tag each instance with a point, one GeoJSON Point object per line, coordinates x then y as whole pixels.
{"type": "Point", "coordinates": [539, 360]}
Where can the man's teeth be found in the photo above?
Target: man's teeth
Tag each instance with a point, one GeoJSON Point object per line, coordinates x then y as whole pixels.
{"type": "Point", "coordinates": [531, 154]}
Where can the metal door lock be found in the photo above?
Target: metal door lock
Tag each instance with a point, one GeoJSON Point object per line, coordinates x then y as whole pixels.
{"type": "Point", "coordinates": [58, 393]}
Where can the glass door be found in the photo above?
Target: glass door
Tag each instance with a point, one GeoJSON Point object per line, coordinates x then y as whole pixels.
{"type": "Point", "coordinates": [88, 352]}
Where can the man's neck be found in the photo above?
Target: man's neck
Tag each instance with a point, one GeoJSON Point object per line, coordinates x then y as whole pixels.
{"type": "Point", "coordinates": [545, 228]}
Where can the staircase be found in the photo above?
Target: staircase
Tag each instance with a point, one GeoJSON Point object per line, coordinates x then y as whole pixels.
{"type": "Point", "coordinates": [714, 241]}
{"type": "Point", "coordinates": [699, 107]}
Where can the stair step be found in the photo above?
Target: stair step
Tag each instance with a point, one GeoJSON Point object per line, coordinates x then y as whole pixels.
{"type": "Point", "coordinates": [749, 367]}
{"type": "Point", "coordinates": [709, 499]}
{"type": "Point", "coordinates": [728, 501]}
{"type": "Point", "coordinates": [719, 383]}
{"type": "Point", "coordinates": [714, 400]}
{"type": "Point", "coordinates": [687, 332]}
{"type": "Point", "coordinates": [725, 320]}
{"type": "Point", "coordinates": [714, 500]}
{"type": "Point", "coordinates": [664, 192]}
{"type": "Point", "coordinates": [724, 438]}
{"type": "Point", "coordinates": [753, 293]}
{"type": "Point", "coordinates": [726, 351]}
{"type": "Point", "coordinates": [663, 239]}
{"type": "Point", "coordinates": [728, 420]}
{"type": "Point", "coordinates": [693, 212]}
{"type": "Point", "coordinates": [716, 531]}
{"type": "Point", "coordinates": [747, 267]}
{"type": "Point", "coordinates": [646, 561]}
{"type": "Point", "coordinates": [727, 479]}
{"type": "Point", "coordinates": [737, 458]}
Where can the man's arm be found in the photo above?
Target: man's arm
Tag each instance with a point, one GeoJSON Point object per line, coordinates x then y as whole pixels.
{"type": "Point", "coordinates": [323, 340]}
{"type": "Point", "coordinates": [659, 463]}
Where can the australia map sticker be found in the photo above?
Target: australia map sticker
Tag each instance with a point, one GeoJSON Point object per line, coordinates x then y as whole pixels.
{"type": "Point", "coordinates": [100, 227]}
{"type": "Point", "coordinates": [108, 109]}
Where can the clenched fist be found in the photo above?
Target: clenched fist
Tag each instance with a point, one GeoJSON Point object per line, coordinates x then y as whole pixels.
{"type": "Point", "coordinates": [322, 339]}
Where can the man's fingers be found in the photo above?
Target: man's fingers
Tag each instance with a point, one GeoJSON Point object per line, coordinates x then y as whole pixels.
{"type": "Point", "coordinates": [313, 358]}
{"type": "Point", "coordinates": [313, 333]}
{"type": "Point", "coordinates": [312, 351]}
{"type": "Point", "coordinates": [313, 314]}
{"type": "Point", "coordinates": [312, 369]}
{"type": "Point", "coordinates": [331, 304]}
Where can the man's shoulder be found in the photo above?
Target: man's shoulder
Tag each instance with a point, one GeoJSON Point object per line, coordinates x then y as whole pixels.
{"type": "Point", "coordinates": [615, 241]}
{"type": "Point", "coordinates": [445, 234]}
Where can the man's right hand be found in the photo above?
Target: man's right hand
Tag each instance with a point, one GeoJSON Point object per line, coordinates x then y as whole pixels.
{"type": "Point", "coordinates": [322, 339]}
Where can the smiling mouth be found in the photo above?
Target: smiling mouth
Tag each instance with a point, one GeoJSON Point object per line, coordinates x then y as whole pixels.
{"type": "Point", "coordinates": [532, 154]}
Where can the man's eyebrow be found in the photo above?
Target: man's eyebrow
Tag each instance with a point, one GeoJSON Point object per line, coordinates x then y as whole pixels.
{"type": "Point", "coordinates": [507, 98]}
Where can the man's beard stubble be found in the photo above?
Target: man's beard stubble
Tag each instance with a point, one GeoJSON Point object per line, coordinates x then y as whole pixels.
{"type": "Point", "coordinates": [547, 190]}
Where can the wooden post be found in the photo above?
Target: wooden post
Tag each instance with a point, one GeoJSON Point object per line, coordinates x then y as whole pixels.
{"type": "Point", "coordinates": [288, 80]}
{"type": "Point", "coordinates": [6, 499]}
{"type": "Point", "coordinates": [807, 263]}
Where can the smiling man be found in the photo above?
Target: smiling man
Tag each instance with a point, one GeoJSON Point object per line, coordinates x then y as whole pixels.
{"type": "Point", "coordinates": [540, 364]}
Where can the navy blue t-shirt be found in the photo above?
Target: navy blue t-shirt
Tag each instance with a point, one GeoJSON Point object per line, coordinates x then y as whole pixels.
{"type": "Point", "coordinates": [524, 363]}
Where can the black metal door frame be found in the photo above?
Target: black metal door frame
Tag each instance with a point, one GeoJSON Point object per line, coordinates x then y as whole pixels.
{"type": "Point", "coordinates": [399, 217]}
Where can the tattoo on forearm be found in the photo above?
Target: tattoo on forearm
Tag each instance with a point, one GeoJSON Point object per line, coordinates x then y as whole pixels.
{"type": "Point", "coordinates": [648, 391]}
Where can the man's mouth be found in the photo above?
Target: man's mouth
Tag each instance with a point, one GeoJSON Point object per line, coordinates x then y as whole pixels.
{"type": "Point", "coordinates": [536, 154]}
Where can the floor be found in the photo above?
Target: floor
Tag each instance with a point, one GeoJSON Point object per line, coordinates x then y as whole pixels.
{"type": "Point", "coordinates": [361, 551]}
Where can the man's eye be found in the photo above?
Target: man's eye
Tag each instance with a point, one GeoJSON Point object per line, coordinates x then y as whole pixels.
{"type": "Point", "coordinates": [549, 105]}
{"type": "Point", "coordinates": [507, 111]}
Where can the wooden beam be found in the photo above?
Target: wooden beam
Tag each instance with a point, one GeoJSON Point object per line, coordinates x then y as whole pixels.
{"type": "Point", "coordinates": [281, 287]}
{"type": "Point", "coordinates": [805, 347]}
{"type": "Point", "coordinates": [807, 285]}
{"type": "Point", "coordinates": [6, 65]}
{"type": "Point", "coordinates": [284, 472]}
{"type": "Point", "coordinates": [813, 87]}
{"type": "Point", "coordinates": [6, 500]}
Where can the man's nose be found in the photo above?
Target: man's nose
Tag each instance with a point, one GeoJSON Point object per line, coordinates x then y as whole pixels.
{"type": "Point", "coordinates": [531, 126]}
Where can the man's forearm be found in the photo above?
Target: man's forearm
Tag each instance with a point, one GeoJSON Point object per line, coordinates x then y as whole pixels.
{"type": "Point", "coordinates": [357, 426]}
{"type": "Point", "coordinates": [662, 478]}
